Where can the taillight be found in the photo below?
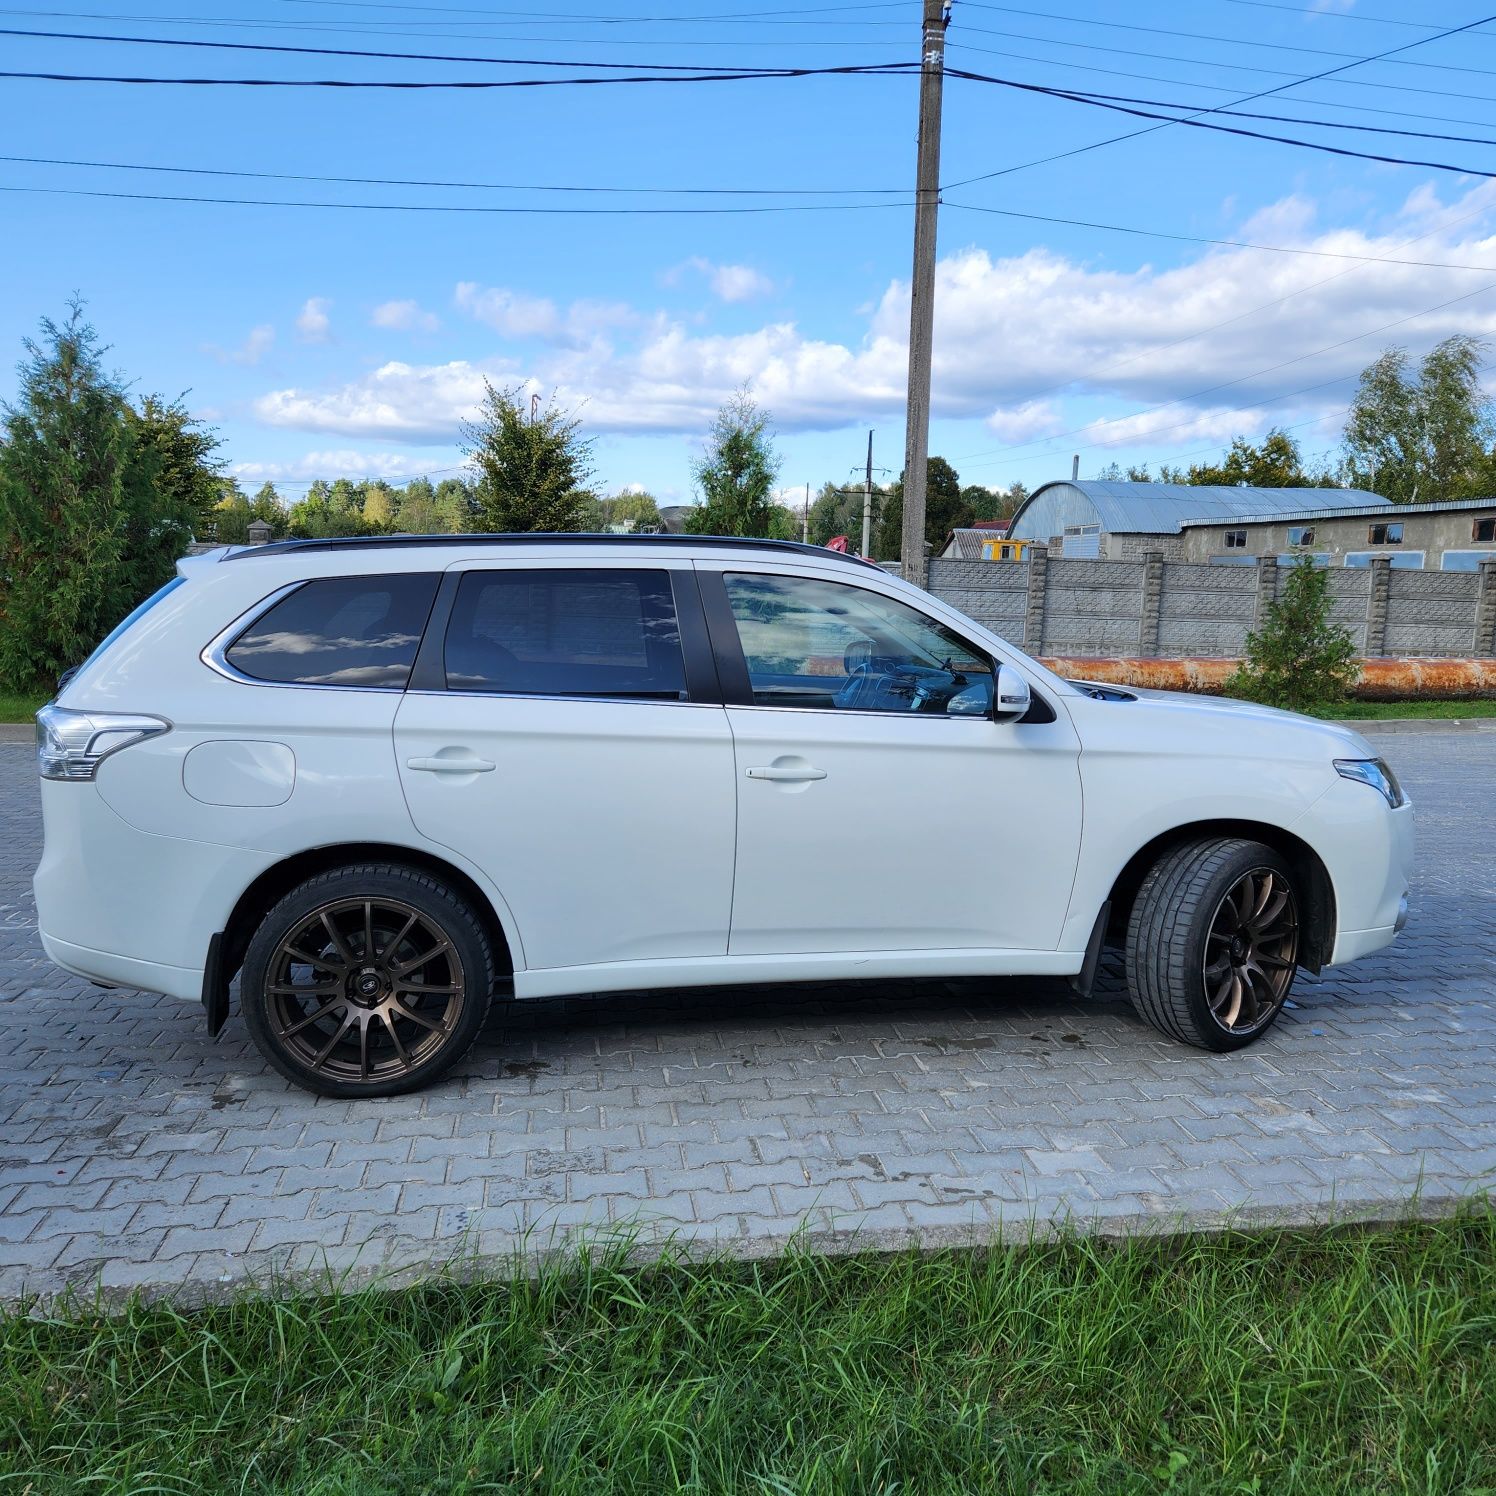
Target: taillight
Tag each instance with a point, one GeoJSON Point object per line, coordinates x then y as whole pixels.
{"type": "Point", "coordinates": [72, 745]}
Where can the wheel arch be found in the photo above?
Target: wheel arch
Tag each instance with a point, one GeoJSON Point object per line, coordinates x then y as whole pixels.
{"type": "Point", "coordinates": [275, 882]}
{"type": "Point", "coordinates": [1311, 875]}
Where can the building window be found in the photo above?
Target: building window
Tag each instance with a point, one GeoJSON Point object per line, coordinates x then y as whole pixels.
{"type": "Point", "coordinates": [1384, 534]}
{"type": "Point", "coordinates": [1301, 535]}
{"type": "Point", "coordinates": [1485, 529]}
{"type": "Point", "coordinates": [1236, 540]}
{"type": "Point", "coordinates": [1401, 561]}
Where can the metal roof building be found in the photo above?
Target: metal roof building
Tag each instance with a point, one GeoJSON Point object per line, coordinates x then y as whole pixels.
{"type": "Point", "coordinates": [1084, 513]}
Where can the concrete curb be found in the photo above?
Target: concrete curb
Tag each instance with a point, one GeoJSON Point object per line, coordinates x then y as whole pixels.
{"type": "Point", "coordinates": [645, 1242]}
{"type": "Point", "coordinates": [1419, 724]}
{"type": "Point", "coordinates": [17, 732]}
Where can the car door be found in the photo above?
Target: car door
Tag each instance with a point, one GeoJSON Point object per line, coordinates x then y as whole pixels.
{"type": "Point", "coordinates": [873, 815]}
{"type": "Point", "coordinates": [561, 733]}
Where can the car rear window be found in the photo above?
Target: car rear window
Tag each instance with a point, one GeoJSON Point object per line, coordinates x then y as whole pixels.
{"type": "Point", "coordinates": [339, 631]}
{"type": "Point", "coordinates": [566, 632]}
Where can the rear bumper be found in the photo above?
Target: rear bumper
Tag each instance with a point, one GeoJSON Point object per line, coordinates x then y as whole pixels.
{"type": "Point", "coordinates": [124, 971]}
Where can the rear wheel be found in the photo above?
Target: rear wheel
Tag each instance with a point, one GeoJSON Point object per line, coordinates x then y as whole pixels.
{"type": "Point", "coordinates": [1213, 942]}
{"type": "Point", "coordinates": [367, 981]}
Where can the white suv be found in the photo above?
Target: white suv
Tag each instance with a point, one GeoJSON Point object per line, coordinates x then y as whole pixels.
{"type": "Point", "coordinates": [376, 778]}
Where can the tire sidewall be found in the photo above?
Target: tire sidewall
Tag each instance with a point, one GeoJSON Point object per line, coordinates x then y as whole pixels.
{"type": "Point", "coordinates": [1249, 858]}
{"type": "Point", "coordinates": [436, 903]}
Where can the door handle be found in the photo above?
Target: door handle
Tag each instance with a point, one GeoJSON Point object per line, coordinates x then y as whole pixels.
{"type": "Point", "coordinates": [785, 774]}
{"type": "Point", "coordinates": [453, 765]}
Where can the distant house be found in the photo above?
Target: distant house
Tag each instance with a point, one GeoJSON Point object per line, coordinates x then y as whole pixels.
{"type": "Point", "coordinates": [1233, 526]}
{"type": "Point", "coordinates": [966, 543]}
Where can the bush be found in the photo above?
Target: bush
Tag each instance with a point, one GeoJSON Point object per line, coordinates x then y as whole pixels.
{"type": "Point", "coordinates": [1299, 659]}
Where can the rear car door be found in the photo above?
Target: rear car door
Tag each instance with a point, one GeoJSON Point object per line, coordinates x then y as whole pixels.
{"type": "Point", "coordinates": [563, 731]}
{"type": "Point", "coordinates": [871, 815]}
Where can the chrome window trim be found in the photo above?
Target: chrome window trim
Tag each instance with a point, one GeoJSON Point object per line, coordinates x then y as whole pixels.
{"type": "Point", "coordinates": [214, 651]}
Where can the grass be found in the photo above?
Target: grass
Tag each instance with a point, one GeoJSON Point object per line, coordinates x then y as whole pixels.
{"type": "Point", "coordinates": [1433, 710]}
{"type": "Point", "coordinates": [20, 707]}
{"type": "Point", "coordinates": [1280, 1363]}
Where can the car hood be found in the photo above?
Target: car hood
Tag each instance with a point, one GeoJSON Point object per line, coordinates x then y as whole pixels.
{"type": "Point", "coordinates": [1227, 714]}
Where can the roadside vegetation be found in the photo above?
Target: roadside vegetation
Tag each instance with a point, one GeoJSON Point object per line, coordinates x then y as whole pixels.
{"type": "Point", "coordinates": [1293, 1362]}
{"type": "Point", "coordinates": [1424, 711]}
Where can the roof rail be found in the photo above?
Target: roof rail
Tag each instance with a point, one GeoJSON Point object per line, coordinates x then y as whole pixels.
{"type": "Point", "coordinates": [414, 542]}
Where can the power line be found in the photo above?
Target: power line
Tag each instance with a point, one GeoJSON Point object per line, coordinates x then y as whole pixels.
{"type": "Point", "coordinates": [1340, 15]}
{"type": "Point", "coordinates": [1246, 99]}
{"type": "Point", "coordinates": [1279, 249]}
{"type": "Point", "coordinates": [1086, 67]}
{"type": "Point", "coordinates": [891, 70]}
{"type": "Point", "coordinates": [278, 176]}
{"type": "Point", "coordinates": [1198, 36]}
{"type": "Point", "coordinates": [519, 210]}
{"type": "Point", "coordinates": [600, 19]}
{"type": "Point", "coordinates": [279, 47]}
{"type": "Point", "coordinates": [1194, 122]}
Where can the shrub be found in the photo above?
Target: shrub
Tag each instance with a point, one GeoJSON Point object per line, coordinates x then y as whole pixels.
{"type": "Point", "coordinates": [1299, 659]}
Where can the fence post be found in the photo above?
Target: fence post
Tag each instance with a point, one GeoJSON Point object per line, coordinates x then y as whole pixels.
{"type": "Point", "coordinates": [1038, 582]}
{"type": "Point", "coordinates": [1267, 588]}
{"type": "Point", "coordinates": [1485, 609]}
{"type": "Point", "coordinates": [1153, 597]}
{"type": "Point", "coordinates": [1376, 605]}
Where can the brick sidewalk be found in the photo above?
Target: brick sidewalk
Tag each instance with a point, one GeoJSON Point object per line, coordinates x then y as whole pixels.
{"type": "Point", "coordinates": [135, 1152]}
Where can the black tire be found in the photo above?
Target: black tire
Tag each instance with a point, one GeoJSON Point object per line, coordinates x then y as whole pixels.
{"type": "Point", "coordinates": [381, 970]}
{"type": "Point", "coordinates": [1189, 941]}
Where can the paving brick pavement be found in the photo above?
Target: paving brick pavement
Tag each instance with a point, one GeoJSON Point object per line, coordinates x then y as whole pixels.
{"type": "Point", "coordinates": [134, 1152]}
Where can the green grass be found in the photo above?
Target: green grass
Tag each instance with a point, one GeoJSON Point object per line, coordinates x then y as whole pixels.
{"type": "Point", "coordinates": [1437, 710]}
{"type": "Point", "coordinates": [19, 707]}
{"type": "Point", "coordinates": [1356, 1362]}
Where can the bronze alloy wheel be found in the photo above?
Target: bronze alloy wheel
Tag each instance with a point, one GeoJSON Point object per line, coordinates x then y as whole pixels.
{"type": "Point", "coordinates": [364, 989]}
{"type": "Point", "coordinates": [1251, 951]}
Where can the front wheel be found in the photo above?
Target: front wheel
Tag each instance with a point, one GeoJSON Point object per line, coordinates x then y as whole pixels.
{"type": "Point", "coordinates": [1213, 942]}
{"type": "Point", "coordinates": [367, 981]}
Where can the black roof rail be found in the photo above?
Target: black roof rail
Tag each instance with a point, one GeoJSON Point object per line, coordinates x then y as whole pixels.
{"type": "Point", "coordinates": [415, 542]}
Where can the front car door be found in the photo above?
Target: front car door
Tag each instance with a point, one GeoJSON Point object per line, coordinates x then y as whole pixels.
{"type": "Point", "coordinates": [563, 732]}
{"type": "Point", "coordinates": [881, 809]}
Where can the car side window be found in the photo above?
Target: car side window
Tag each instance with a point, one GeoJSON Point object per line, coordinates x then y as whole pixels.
{"type": "Point", "coordinates": [810, 643]}
{"type": "Point", "coordinates": [338, 631]}
{"type": "Point", "coordinates": [566, 632]}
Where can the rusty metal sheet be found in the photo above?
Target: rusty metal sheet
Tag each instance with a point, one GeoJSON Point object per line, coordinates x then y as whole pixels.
{"type": "Point", "coordinates": [1381, 679]}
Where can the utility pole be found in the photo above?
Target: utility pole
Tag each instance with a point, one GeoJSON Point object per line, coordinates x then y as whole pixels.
{"type": "Point", "coordinates": [867, 501]}
{"type": "Point", "coordinates": [805, 522]}
{"type": "Point", "coordinates": [922, 288]}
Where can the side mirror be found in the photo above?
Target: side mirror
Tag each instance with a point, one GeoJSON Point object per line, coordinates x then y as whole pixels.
{"type": "Point", "coordinates": [1010, 699]}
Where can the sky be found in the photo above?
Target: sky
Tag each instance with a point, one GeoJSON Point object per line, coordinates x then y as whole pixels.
{"type": "Point", "coordinates": [345, 329]}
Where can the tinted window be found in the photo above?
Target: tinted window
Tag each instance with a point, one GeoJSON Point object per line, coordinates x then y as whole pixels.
{"type": "Point", "coordinates": [822, 644]}
{"type": "Point", "coordinates": [341, 631]}
{"type": "Point", "coordinates": [566, 633]}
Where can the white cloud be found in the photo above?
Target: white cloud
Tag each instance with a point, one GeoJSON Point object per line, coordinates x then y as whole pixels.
{"type": "Point", "coordinates": [1016, 337]}
{"type": "Point", "coordinates": [339, 463]}
{"type": "Point", "coordinates": [404, 316]}
{"type": "Point", "coordinates": [250, 351]}
{"type": "Point", "coordinates": [312, 322]}
{"type": "Point", "coordinates": [728, 282]}
{"type": "Point", "coordinates": [508, 312]}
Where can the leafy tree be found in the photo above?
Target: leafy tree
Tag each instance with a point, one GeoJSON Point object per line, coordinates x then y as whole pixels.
{"type": "Point", "coordinates": [268, 507]}
{"type": "Point", "coordinates": [1424, 434]}
{"type": "Point", "coordinates": [784, 523]}
{"type": "Point", "coordinates": [378, 505]}
{"type": "Point", "coordinates": [83, 533]}
{"type": "Point", "coordinates": [837, 510]}
{"type": "Point", "coordinates": [417, 511]}
{"type": "Point", "coordinates": [736, 476]}
{"type": "Point", "coordinates": [187, 472]}
{"type": "Point", "coordinates": [1274, 463]}
{"type": "Point", "coordinates": [533, 475]}
{"type": "Point", "coordinates": [637, 510]}
{"type": "Point", "coordinates": [993, 503]}
{"type": "Point", "coordinates": [456, 506]}
{"type": "Point", "coordinates": [327, 512]}
{"type": "Point", "coordinates": [231, 516]}
{"type": "Point", "coordinates": [945, 510]}
{"type": "Point", "coordinates": [1300, 658]}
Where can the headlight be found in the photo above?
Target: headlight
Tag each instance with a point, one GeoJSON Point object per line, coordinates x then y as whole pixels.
{"type": "Point", "coordinates": [72, 745]}
{"type": "Point", "coordinates": [1376, 773]}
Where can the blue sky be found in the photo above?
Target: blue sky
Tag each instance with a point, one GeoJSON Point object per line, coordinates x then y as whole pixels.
{"type": "Point", "coordinates": [333, 342]}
